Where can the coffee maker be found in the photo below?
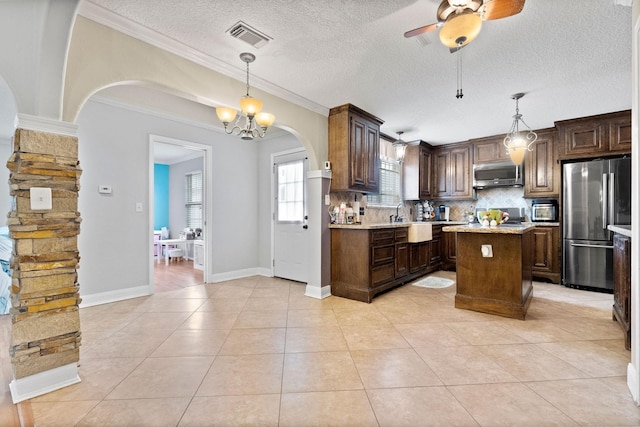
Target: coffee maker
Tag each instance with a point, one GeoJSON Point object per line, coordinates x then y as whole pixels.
{"type": "Point", "coordinates": [442, 213]}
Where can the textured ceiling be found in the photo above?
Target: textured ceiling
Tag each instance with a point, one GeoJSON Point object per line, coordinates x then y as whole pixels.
{"type": "Point", "coordinates": [572, 58]}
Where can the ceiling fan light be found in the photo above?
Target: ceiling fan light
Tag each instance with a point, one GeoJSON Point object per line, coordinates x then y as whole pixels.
{"type": "Point", "coordinates": [466, 24]}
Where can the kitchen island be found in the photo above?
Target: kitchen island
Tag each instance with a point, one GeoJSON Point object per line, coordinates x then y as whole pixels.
{"type": "Point", "coordinates": [493, 272]}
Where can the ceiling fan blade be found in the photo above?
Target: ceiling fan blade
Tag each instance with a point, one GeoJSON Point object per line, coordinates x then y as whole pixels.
{"type": "Point", "coordinates": [421, 30]}
{"type": "Point", "coordinates": [497, 9]}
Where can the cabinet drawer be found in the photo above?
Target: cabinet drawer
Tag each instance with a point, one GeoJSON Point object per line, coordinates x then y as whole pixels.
{"type": "Point", "coordinates": [382, 274]}
{"type": "Point", "coordinates": [402, 235]}
{"type": "Point", "coordinates": [382, 237]}
{"type": "Point", "coordinates": [382, 254]}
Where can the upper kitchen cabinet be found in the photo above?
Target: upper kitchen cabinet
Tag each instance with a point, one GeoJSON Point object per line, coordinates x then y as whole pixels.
{"type": "Point", "coordinates": [354, 149]}
{"type": "Point", "coordinates": [417, 171]}
{"type": "Point", "coordinates": [541, 166]}
{"type": "Point", "coordinates": [593, 136]}
{"type": "Point", "coordinates": [489, 149]}
{"type": "Point", "coordinates": [452, 178]}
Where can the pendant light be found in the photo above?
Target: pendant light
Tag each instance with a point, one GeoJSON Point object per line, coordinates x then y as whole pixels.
{"type": "Point", "coordinates": [401, 147]}
{"type": "Point", "coordinates": [518, 142]}
{"type": "Point", "coordinates": [251, 110]}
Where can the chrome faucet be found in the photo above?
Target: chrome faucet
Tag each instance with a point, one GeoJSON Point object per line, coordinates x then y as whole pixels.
{"type": "Point", "coordinates": [398, 217]}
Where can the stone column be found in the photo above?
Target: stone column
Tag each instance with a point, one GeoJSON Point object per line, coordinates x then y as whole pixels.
{"type": "Point", "coordinates": [44, 296]}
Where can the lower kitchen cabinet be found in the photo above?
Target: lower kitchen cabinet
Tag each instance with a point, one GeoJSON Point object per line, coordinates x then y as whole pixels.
{"type": "Point", "coordinates": [366, 262]}
{"type": "Point", "coordinates": [449, 249]}
{"type": "Point", "coordinates": [622, 285]}
{"type": "Point", "coordinates": [546, 253]}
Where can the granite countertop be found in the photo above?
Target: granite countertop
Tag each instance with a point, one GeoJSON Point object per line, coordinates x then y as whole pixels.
{"type": "Point", "coordinates": [392, 224]}
{"type": "Point", "coordinates": [625, 230]}
{"type": "Point", "coordinates": [477, 228]}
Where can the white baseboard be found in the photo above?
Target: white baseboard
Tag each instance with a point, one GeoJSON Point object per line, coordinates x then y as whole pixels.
{"type": "Point", "coordinates": [239, 274]}
{"type": "Point", "coordinates": [632, 383]}
{"type": "Point", "coordinates": [317, 292]}
{"type": "Point", "coordinates": [113, 296]}
{"type": "Point", "coordinates": [44, 382]}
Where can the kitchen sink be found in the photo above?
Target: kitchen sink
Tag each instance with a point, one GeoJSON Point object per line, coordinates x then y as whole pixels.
{"type": "Point", "coordinates": [420, 232]}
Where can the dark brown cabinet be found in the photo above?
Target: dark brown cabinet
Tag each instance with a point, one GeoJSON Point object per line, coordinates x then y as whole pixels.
{"type": "Point", "coordinates": [401, 253]}
{"type": "Point", "coordinates": [622, 285]}
{"type": "Point", "coordinates": [541, 166]}
{"type": "Point", "coordinates": [449, 250]}
{"type": "Point", "coordinates": [452, 168]}
{"type": "Point", "coordinates": [367, 262]}
{"type": "Point", "coordinates": [435, 247]}
{"type": "Point", "coordinates": [546, 253]}
{"type": "Point", "coordinates": [593, 136]}
{"type": "Point", "coordinates": [490, 149]}
{"type": "Point", "coordinates": [354, 149]}
{"type": "Point", "coordinates": [417, 171]}
{"type": "Point", "coordinates": [419, 257]}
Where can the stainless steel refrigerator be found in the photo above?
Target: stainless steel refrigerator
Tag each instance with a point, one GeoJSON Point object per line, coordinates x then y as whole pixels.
{"type": "Point", "coordinates": [595, 194]}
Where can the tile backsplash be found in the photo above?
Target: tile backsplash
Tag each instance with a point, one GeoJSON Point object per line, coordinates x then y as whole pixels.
{"type": "Point", "coordinates": [504, 197]}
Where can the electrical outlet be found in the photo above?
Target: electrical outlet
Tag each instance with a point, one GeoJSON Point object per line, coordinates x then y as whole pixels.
{"type": "Point", "coordinates": [327, 199]}
{"type": "Point", "coordinates": [487, 251]}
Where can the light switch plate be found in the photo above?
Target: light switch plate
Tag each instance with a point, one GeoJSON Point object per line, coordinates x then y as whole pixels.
{"type": "Point", "coordinates": [138, 206]}
{"type": "Point", "coordinates": [40, 198]}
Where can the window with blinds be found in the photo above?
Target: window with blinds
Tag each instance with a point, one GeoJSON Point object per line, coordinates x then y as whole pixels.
{"type": "Point", "coordinates": [290, 191]}
{"type": "Point", "coordinates": [193, 202]}
{"type": "Point", "coordinates": [390, 186]}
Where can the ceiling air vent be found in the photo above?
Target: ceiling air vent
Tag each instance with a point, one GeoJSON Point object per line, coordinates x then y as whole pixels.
{"type": "Point", "coordinates": [255, 38]}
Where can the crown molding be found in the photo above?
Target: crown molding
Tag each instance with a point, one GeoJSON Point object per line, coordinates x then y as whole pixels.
{"type": "Point", "coordinates": [119, 23]}
{"type": "Point", "coordinates": [44, 124]}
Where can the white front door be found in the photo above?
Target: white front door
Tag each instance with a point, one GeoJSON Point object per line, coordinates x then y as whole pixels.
{"type": "Point", "coordinates": [290, 213]}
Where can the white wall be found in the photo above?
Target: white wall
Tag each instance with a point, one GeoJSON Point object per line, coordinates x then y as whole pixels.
{"type": "Point", "coordinates": [114, 150]}
{"type": "Point", "coordinates": [6, 149]}
{"type": "Point", "coordinates": [263, 206]}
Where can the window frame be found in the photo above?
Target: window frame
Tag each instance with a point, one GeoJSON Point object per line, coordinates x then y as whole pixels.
{"type": "Point", "coordinates": [189, 191]}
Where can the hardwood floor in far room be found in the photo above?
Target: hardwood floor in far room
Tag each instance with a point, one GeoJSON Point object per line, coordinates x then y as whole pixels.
{"type": "Point", "coordinates": [176, 275]}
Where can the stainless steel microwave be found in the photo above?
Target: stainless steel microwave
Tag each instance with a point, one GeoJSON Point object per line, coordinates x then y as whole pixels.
{"type": "Point", "coordinates": [544, 210]}
{"type": "Point", "coordinates": [497, 174]}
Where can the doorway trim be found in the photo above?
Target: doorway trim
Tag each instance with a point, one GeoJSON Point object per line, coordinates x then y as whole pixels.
{"type": "Point", "coordinates": [207, 151]}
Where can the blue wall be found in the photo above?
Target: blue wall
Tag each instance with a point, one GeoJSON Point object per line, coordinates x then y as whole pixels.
{"type": "Point", "coordinates": [160, 196]}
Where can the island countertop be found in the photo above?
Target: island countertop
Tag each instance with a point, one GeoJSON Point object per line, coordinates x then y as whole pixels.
{"type": "Point", "coordinates": [625, 230]}
{"type": "Point", "coordinates": [500, 229]}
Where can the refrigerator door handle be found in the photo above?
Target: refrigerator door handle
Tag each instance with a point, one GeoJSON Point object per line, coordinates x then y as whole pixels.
{"type": "Point", "coordinates": [612, 190]}
{"type": "Point", "coordinates": [605, 198]}
{"type": "Point", "coordinates": [583, 245]}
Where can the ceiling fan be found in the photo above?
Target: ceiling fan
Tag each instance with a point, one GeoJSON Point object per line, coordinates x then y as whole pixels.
{"type": "Point", "coordinates": [460, 21]}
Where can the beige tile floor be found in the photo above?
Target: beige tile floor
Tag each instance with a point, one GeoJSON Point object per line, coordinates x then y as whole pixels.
{"type": "Point", "coordinates": [257, 352]}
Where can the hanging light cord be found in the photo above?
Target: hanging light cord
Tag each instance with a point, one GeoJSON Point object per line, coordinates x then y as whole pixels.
{"type": "Point", "coordinates": [459, 94]}
{"type": "Point", "coordinates": [247, 78]}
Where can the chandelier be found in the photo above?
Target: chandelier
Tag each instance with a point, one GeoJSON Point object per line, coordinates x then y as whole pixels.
{"type": "Point", "coordinates": [250, 110]}
{"type": "Point", "coordinates": [401, 148]}
{"type": "Point", "coordinates": [519, 142]}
